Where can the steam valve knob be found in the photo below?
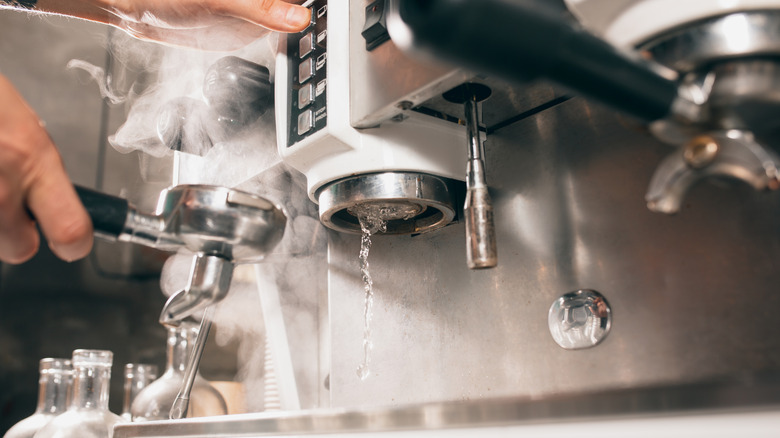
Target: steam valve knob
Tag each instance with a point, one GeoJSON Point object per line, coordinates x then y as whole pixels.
{"type": "Point", "coordinates": [237, 90]}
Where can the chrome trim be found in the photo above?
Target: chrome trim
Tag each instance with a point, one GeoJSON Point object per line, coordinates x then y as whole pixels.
{"type": "Point", "coordinates": [220, 221]}
{"type": "Point", "coordinates": [737, 155]}
{"type": "Point", "coordinates": [208, 283]}
{"type": "Point", "coordinates": [431, 196]}
{"type": "Point", "coordinates": [147, 230]}
{"type": "Point", "coordinates": [755, 33]}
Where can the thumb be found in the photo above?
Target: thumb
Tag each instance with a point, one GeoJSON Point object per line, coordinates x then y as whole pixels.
{"type": "Point", "coordinates": [276, 15]}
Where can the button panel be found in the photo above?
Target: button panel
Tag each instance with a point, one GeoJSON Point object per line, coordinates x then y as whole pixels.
{"type": "Point", "coordinates": [306, 45]}
{"type": "Point", "coordinates": [305, 122]}
{"type": "Point", "coordinates": [305, 70]}
{"type": "Point", "coordinates": [306, 96]}
{"type": "Point", "coordinates": [307, 82]}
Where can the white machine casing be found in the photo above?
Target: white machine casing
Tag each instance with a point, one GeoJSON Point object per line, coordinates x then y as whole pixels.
{"type": "Point", "coordinates": [391, 137]}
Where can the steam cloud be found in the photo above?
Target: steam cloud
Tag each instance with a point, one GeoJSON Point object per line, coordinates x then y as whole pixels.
{"type": "Point", "coordinates": [153, 76]}
{"type": "Point", "coordinates": [101, 78]}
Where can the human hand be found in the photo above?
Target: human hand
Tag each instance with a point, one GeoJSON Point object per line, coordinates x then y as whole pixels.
{"type": "Point", "coordinates": [203, 24]}
{"type": "Point", "coordinates": [33, 181]}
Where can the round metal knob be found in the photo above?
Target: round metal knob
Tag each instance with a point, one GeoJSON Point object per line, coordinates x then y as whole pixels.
{"type": "Point", "coordinates": [239, 91]}
{"type": "Point", "coordinates": [579, 319]}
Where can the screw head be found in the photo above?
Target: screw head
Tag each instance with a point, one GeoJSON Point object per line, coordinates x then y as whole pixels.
{"type": "Point", "coordinates": [701, 151]}
{"type": "Point", "coordinates": [405, 105]}
{"type": "Point", "coordinates": [579, 319]}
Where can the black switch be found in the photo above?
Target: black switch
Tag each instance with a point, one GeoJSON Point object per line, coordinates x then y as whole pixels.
{"type": "Point", "coordinates": [375, 29]}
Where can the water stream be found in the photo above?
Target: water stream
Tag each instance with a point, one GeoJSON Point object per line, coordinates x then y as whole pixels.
{"type": "Point", "coordinates": [371, 222]}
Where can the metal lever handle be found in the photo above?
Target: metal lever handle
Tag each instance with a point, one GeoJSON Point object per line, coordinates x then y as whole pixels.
{"type": "Point", "coordinates": [481, 251]}
{"type": "Point", "coordinates": [524, 39]}
{"type": "Point", "coordinates": [108, 213]}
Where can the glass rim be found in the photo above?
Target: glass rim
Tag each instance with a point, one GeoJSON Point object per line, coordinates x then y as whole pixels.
{"type": "Point", "coordinates": [143, 367]}
{"type": "Point", "coordinates": [92, 357]}
{"type": "Point", "coordinates": [54, 364]}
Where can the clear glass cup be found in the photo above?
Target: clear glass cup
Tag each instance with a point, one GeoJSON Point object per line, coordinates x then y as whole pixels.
{"type": "Point", "coordinates": [87, 415]}
{"type": "Point", "coordinates": [56, 377]}
{"type": "Point", "coordinates": [154, 402]}
{"type": "Point", "coordinates": [137, 377]}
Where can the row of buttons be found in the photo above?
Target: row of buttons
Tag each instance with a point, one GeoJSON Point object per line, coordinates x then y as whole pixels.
{"type": "Point", "coordinates": [306, 71]}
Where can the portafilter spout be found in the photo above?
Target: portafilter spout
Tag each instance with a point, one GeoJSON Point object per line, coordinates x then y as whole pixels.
{"type": "Point", "coordinates": [208, 283]}
{"type": "Point", "coordinates": [221, 226]}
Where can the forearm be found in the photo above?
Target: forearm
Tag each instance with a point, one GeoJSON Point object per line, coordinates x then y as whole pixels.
{"type": "Point", "coordinates": [201, 24]}
{"type": "Point", "coordinates": [93, 10]}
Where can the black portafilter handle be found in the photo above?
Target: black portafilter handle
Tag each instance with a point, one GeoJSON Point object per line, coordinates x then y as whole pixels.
{"type": "Point", "coordinates": [520, 40]}
{"type": "Point", "coordinates": [108, 213]}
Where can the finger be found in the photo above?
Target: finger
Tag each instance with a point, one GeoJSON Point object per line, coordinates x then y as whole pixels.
{"type": "Point", "coordinates": [58, 210]}
{"type": "Point", "coordinates": [227, 37]}
{"type": "Point", "coordinates": [19, 238]}
{"type": "Point", "coordinates": [272, 14]}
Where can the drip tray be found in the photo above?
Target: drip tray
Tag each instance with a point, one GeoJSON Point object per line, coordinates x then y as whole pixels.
{"type": "Point", "coordinates": [753, 409]}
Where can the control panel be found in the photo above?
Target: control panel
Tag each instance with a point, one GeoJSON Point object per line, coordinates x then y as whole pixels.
{"type": "Point", "coordinates": [307, 76]}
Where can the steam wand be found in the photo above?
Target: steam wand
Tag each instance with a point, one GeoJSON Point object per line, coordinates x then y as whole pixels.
{"type": "Point", "coordinates": [182, 402]}
{"type": "Point", "coordinates": [481, 251]}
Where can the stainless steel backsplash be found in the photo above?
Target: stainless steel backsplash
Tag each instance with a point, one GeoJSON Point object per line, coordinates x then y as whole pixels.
{"type": "Point", "coordinates": [692, 295]}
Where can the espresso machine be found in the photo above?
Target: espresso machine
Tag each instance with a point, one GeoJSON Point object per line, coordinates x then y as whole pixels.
{"type": "Point", "coordinates": [535, 130]}
{"type": "Point", "coordinates": [370, 149]}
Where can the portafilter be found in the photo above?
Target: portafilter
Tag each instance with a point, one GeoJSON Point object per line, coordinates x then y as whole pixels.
{"type": "Point", "coordinates": [221, 226]}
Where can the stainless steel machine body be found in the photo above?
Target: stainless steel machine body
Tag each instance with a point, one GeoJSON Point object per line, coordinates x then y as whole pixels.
{"type": "Point", "coordinates": [691, 296]}
{"type": "Point", "coordinates": [692, 303]}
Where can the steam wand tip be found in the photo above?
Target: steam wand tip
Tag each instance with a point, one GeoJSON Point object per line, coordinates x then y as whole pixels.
{"type": "Point", "coordinates": [179, 408]}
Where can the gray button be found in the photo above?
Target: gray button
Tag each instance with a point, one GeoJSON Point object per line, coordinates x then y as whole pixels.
{"type": "Point", "coordinates": [305, 95]}
{"type": "Point", "coordinates": [306, 44]}
{"type": "Point", "coordinates": [305, 70]}
{"type": "Point", "coordinates": [305, 122]}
